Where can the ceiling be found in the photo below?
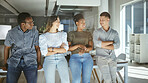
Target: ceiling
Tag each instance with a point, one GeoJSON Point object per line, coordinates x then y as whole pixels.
{"type": "Point", "coordinates": [49, 7]}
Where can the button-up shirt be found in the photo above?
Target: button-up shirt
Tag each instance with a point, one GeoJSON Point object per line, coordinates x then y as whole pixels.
{"type": "Point", "coordinates": [22, 45]}
{"type": "Point", "coordinates": [100, 35]}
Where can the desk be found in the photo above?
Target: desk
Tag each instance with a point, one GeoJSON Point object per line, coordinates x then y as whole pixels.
{"type": "Point", "coordinates": [120, 63]}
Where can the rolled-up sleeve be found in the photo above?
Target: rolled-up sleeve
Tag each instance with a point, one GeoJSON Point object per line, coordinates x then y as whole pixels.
{"type": "Point", "coordinates": [36, 38]}
{"type": "Point", "coordinates": [97, 43]}
{"type": "Point", "coordinates": [116, 43]}
{"type": "Point", "coordinates": [43, 45]}
{"type": "Point", "coordinates": [8, 40]}
{"type": "Point", "coordinates": [64, 38]}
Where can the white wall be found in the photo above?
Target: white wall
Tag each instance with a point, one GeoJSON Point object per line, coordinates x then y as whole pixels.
{"type": "Point", "coordinates": [91, 18]}
{"type": "Point", "coordinates": [114, 10]}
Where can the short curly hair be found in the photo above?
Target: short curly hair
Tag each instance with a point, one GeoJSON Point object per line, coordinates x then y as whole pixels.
{"type": "Point", "coordinates": [22, 17]}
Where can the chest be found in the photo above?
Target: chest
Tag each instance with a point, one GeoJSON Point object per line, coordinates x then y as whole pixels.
{"type": "Point", "coordinates": [80, 38]}
{"type": "Point", "coordinates": [22, 39]}
{"type": "Point", "coordinates": [106, 36]}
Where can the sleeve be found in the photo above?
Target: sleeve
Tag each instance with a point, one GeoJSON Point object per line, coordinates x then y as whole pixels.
{"type": "Point", "coordinates": [64, 38]}
{"type": "Point", "coordinates": [97, 43]}
{"type": "Point", "coordinates": [8, 40]}
{"type": "Point", "coordinates": [116, 43]}
{"type": "Point", "coordinates": [43, 45]}
{"type": "Point", "coordinates": [36, 38]}
{"type": "Point", "coordinates": [90, 36]}
{"type": "Point", "coordinates": [69, 38]}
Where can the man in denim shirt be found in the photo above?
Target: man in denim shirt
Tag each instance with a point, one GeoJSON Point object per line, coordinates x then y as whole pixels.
{"type": "Point", "coordinates": [25, 51]}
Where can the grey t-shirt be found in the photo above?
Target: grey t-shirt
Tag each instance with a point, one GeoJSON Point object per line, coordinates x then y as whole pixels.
{"type": "Point", "coordinates": [82, 38]}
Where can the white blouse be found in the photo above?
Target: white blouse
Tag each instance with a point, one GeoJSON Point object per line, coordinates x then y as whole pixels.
{"type": "Point", "coordinates": [47, 40]}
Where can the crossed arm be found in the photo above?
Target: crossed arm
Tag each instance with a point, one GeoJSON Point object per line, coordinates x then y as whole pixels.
{"type": "Point", "coordinates": [83, 47]}
{"type": "Point", "coordinates": [107, 45]}
{"type": "Point", "coordinates": [52, 51]}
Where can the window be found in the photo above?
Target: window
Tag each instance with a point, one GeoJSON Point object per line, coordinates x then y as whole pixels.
{"type": "Point", "coordinates": [147, 17]}
{"type": "Point", "coordinates": [128, 28]}
{"type": "Point", "coordinates": [135, 20]}
{"type": "Point", "coordinates": [138, 17]}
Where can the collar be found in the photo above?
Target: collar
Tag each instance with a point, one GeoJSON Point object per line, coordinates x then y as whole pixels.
{"type": "Point", "coordinates": [19, 28]}
{"type": "Point", "coordinates": [105, 31]}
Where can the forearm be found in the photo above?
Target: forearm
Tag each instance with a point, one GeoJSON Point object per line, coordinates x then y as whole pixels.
{"type": "Point", "coordinates": [109, 47]}
{"type": "Point", "coordinates": [50, 53]}
{"type": "Point", "coordinates": [71, 48]}
{"type": "Point", "coordinates": [106, 43]}
{"type": "Point", "coordinates": [6, 54]}
{"type": "Point", "coordinates": [39, 57]}
{"type": "Point", "coordinates": [89, 49]}
{"type": "Point", "coordinates": [57, 50]}
{"type": "Point", "coordinates": [37, 48]}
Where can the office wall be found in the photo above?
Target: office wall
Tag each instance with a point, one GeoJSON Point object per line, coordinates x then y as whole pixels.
{"type": "Point", "coordinates": [91, 18]}
{"type": "Point", "coordinates": [115, 9]}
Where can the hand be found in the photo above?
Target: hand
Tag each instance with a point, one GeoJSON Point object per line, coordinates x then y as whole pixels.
{"type": "Point", "coordinates": [40, 67]}
{"type": "Point", "coordinates": [83, 47]}
{"type": "Point", "coordinates": [82, 51]}
{"type": "Point", "coordinates": [51, 53]}
{"type": "Point", "coordinates": [50, 49]}
{"type": "Point", "coordinates": [99, 39]}
{"type": "Point", "coordinates": [62, 45]}
{"type": "Point", "coordinates": [5, 67]}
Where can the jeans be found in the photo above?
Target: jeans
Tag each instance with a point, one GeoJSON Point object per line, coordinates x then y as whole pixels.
{"type": "Point", "coordinates": [108, 68]}
{"type": "Point", "coordinates": [30, 72]}
{"type": "Point", "coordinates": [81, 63]}
{"type": "Point", "coordinates": [53, 63]}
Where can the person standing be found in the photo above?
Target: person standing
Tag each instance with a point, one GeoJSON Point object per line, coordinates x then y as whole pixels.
{"type": "Point", "coordinates": [25, 52]}
{"type": "Point", "coordinates": [105, 41]}
{"type": "Point", "coordinates": [80, 43]}
{"type": "Point", "coordinates": [53, 45]}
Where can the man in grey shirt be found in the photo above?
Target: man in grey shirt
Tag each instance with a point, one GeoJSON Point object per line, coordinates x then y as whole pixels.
{"type": "Point", "coordinates": [105, 41]}
{"type": "Point", "coordinates": [25, 52]}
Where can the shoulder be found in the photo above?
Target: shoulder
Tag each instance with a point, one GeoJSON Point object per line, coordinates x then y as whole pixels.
{"type": "Point", "coordinates": [13, 30]}
{"type": "Point", "coordinates": [71, 32]}
{"type": "Point", "coordinates": [42, 35]}
{"type": "Point", "coordinates": [97, 30]}
{"type": "Point", "coordinates": [114, 31]}
{"type": "Point", "coordinates": [34, 30]}
{"type": "Point", "coordinates": [63, 34]}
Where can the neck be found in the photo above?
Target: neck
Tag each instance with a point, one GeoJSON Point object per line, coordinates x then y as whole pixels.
{"type": "Point", "coordinates": [106, 28]}
{"type": "Point", "coordinates": [80, 30]}
{"type": "Point", "coordinates": [23, 28]}
{"type": "Point", "coordinates": [53, 30]}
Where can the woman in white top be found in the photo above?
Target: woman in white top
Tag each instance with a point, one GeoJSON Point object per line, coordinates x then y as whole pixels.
{"type": "Point", "coordinates": [53, 45]}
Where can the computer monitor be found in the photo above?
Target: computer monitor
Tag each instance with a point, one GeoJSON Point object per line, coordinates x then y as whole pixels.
{"type": "Point", "coordinates": [3, 31]}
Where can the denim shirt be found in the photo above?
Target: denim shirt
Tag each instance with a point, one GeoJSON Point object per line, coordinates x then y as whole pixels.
{"type": "Point", "coordinates": [22, 44]}
{"type": "Point", "coordinates": [110, 35]}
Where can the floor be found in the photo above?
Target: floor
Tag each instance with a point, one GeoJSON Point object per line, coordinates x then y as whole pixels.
{"type": "Point", "coordinates": [137, 73]}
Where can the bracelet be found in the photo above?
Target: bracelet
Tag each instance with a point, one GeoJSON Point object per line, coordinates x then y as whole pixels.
{"type": "Point", "coordinates": [52, 49]}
